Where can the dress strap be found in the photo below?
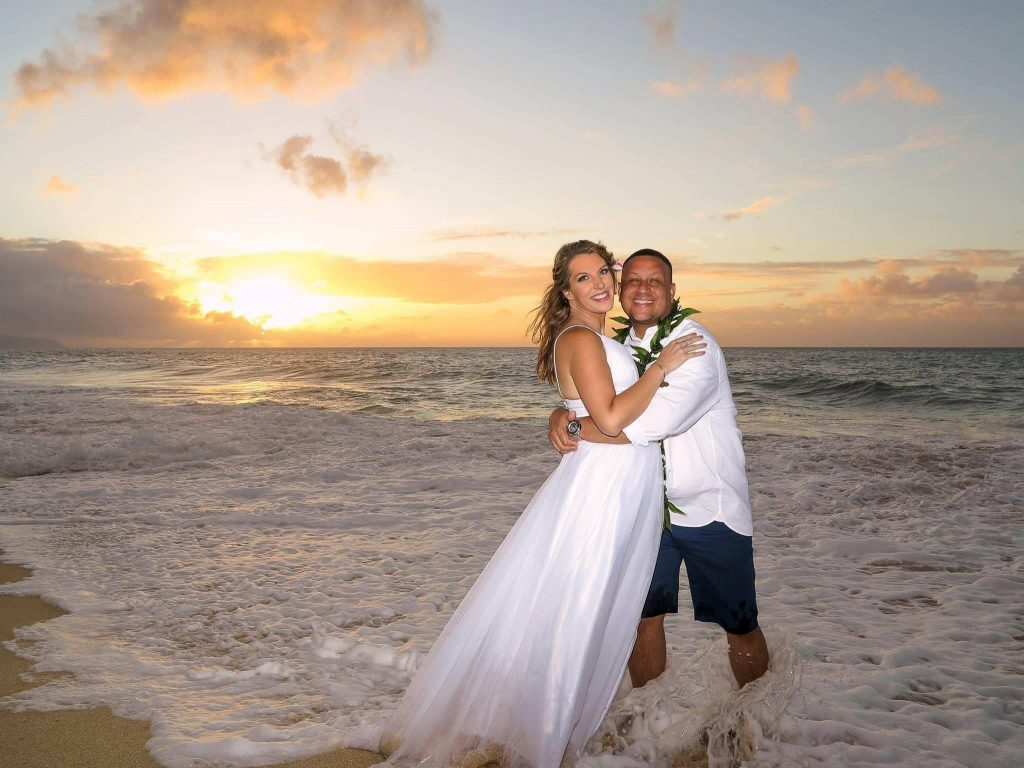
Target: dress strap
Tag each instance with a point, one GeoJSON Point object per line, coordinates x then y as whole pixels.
{"type": "Point", "coordinates": [555, 367]}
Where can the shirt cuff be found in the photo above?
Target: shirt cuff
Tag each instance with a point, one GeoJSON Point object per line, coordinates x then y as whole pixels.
{"type": "Point", "coordinates": [635, 434]}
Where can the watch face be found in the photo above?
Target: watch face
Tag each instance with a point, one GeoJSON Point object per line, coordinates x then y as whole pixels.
{"type": "Point", "coordinates": [574, 428]}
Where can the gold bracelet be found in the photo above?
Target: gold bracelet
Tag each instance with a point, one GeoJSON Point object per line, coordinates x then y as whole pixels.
{"type": "Point", "coordinates": [662, 369]}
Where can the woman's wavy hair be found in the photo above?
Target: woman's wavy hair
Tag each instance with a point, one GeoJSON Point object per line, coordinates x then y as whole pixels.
{"type": "Point", "coordinates": [553, 311]}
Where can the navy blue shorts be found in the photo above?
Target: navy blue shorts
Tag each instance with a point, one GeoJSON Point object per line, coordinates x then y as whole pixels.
{"type": "Point", "coordinates": [720, 569]}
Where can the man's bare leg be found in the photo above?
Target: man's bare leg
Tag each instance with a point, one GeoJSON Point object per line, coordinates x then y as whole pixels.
{"type": "Point", "coordinates": [748, 656]}
{"type": "Point", "coordinates": [649, 654]}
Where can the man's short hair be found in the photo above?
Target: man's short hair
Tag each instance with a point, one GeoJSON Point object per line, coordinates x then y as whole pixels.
{"type": "Point", "coordinates": [653, 254]}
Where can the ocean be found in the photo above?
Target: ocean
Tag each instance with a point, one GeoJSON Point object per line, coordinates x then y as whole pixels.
{"type": "Point", "coordinates": [258, 546]}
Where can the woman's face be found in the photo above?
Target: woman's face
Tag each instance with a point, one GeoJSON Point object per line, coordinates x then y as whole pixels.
{"type": "Point", "coordinates": [591, 284]}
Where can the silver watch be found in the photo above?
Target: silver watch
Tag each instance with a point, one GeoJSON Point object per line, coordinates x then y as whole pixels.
{"type": "Point", "coordinates": [574, 428]}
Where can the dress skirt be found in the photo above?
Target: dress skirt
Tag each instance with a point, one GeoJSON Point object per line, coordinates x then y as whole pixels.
{"type": "Point", "coordinates": [525, 670]}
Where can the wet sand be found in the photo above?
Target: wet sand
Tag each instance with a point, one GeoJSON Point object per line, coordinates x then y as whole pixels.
{"type": "Point", "coordinates": [85, 738]}
{"type": "Point", "coordinates": [96, 738]}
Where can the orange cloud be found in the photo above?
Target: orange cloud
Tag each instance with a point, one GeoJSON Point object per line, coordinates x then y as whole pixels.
{"type": "Point", "coordinates": [805, 116]}
{"type": "Point", "coordinates": [770, 79]}
{"type": "Point", "coordinates": [57, 186]}
{"type": "Point", "coordinates": [486, 234]}
{"type": "Point", "coordinates": [662, 26]}
{"type": "Point", "coordinates": [982, 257]}
{"type": "Point", "coordinates": [674, 90]}
{"type": "Point", "coordinates": [771, 269]}
{"type": "Point", "coordinates": [101, 295]}
{"type": "Point", "coordinates": [933, 139]}
{"type": "Point", "coordinates": [949, 305]}
{"type": "Point", "coordinates": [462, 278]}
{"type": "Point", "coordinates": [895, 84]}
{"type": "Point", "coordinates": [774, 274]}
{"type": "Point", "coordinates": [935, 300]}
{"type": "Point", "coordinates": [891, 281]}
{"type": "Point", "coordinates": [849, 324]}
{"type": "Point", "coordinates": [362, 163]}
{"type": "Point", "coordinates": [1013, 288]}
{"type": "Point", "coordinates": [161, 48]}
{"type": "Point", "coordinates": [322, 175]}
{"type": "Point", "coordinates": [758, 206]}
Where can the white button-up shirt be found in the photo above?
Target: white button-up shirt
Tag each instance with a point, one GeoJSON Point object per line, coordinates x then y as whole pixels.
{"type": "Point", "coordinates": [695, 417]}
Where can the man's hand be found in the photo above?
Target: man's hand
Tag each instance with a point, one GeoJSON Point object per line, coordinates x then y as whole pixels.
{"type": "Point", "coordinates": [559, 436]}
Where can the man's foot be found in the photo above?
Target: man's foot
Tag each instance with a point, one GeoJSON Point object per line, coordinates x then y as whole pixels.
{"type": "Point", "coordinates": [694, 757]}
{"type": "Point", "coordinates": [738, 744]}
{"type": "Point", "coordinates": [743, 738]}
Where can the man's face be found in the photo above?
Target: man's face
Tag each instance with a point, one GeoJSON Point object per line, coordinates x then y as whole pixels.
{"type": "Point", "coordinates": [647, 292]}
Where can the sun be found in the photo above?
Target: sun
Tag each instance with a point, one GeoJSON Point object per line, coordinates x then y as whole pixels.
{"type": "Point", "coordinates": [269, 301]}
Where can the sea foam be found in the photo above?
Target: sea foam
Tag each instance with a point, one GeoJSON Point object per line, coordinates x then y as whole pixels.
{"type": "Point", "coordinates": [261, 581]}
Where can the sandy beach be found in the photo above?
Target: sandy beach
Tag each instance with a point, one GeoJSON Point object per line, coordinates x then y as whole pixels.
{"type": "Point", "coordinates": [85, 738]}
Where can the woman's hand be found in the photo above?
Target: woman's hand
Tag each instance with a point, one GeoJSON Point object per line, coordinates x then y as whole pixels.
{"type": "Point", "coordinates": [679, 351]}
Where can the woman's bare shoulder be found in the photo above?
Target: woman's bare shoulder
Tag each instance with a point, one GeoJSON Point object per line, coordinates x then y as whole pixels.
{"type": "Point", "coordinates": [579, 336]}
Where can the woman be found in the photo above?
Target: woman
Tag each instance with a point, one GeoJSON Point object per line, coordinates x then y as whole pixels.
{"type": "Point", "coordinates": [526, 668]}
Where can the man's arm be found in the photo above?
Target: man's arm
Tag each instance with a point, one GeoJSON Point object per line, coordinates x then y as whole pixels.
{"type": "Point", "coordinates": [564, 443]}
{"type": "Point", "coordinates": [558, 435]}
{"type": "Point", "coordinates": [691, 392]}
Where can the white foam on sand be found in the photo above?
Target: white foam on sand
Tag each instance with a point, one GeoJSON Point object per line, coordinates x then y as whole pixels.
{"type": "Point", "coordinates": [261, 581]}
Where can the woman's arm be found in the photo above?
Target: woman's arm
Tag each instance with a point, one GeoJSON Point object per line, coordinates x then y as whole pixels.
{"type": "Point", "coordinates": [558, 421]}
{"type": "Point", "coordinates": [590, 433]}
{"type": "Point", "coordinates": [582, 357]}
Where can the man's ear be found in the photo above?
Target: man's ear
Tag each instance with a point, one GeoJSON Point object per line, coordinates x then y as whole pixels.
{"type": "Point", "coordinates": [673, 290]}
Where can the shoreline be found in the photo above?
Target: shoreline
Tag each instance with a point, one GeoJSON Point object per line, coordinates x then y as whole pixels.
{"type": "Point", "coordinates": [87, 738]}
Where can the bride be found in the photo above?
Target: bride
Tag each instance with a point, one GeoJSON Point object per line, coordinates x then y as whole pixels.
{"type": "Point", "coordinates": [526, 668]}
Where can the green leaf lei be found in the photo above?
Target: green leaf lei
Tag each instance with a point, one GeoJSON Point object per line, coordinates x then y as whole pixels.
{"type": "Point", "coordinates": [644, 358]}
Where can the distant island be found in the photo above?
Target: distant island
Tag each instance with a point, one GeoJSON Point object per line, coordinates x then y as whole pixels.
{"type": "Point", "coordinates": [28, 342]}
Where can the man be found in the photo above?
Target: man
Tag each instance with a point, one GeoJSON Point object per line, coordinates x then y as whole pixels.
{"type": "Point", "coordinates": [695, 417]}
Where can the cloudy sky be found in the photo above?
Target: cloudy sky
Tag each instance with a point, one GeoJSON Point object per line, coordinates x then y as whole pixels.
{"type": "Point", "coordinates": [362, 172]}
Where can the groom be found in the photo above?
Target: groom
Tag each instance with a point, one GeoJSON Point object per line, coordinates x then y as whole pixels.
{"type": "Point", "coordinates": [695, 417]}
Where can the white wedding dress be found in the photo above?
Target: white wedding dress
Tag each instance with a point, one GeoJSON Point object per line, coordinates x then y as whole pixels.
{"type": "Point", "coordinates": [526, 668]}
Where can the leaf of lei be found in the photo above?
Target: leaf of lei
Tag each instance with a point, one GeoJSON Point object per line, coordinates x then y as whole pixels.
{"type": "Point", "coordinates": [669, 323]}
{"type": "Point", "coordinates": [644, 358]}
{"type": "Point", "coordinates": [621, 334]}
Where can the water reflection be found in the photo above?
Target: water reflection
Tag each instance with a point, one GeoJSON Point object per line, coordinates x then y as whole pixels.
{"type": "Point", "coordinates": [791, 391]}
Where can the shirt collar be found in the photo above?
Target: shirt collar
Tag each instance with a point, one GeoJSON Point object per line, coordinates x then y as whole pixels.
{"type": "Point", "coordinates": [648, 337]}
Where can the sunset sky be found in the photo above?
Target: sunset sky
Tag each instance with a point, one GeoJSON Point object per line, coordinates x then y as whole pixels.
{"type": "Point", "coordinates": [364, 172]}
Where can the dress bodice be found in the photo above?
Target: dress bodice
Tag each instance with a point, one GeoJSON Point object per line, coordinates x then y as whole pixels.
{"type": "Point", "coordinates": [621, 364]}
